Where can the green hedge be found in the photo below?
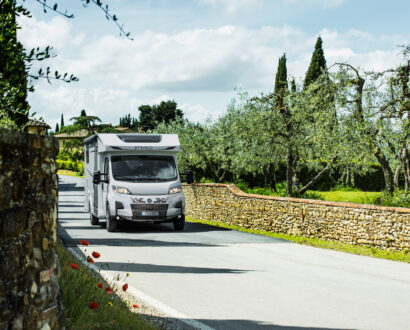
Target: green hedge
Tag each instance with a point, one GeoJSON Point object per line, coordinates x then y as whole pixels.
{"type": "Point", "coordinates": [71, 166]}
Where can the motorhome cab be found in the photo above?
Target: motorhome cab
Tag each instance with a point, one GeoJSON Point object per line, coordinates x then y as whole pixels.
{"type": "Point", "coordinates": [134, 177]}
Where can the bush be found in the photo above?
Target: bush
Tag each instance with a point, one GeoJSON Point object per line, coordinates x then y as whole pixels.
{"type": "Point", "coordinates": [399, 198]}
{"type": "Point", "coordinates": [71, 166]}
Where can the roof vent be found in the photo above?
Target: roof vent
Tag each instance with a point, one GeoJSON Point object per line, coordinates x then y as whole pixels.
{"type": "Point", "coordinates": [140, 138]}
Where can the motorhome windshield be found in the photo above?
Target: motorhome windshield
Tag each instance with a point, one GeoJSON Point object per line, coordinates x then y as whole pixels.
{"type": "Point", "coordinates": [144, 168]}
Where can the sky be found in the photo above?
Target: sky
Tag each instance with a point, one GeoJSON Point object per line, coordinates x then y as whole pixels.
{"type": "Point", "coordinates": [199, 52]}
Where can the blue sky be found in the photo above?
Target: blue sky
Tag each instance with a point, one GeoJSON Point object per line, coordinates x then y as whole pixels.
{"type": "Point", "coordinates": [197, 52]}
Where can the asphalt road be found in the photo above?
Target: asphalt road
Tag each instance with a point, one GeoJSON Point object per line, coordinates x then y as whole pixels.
{"type": "Point", "coordinates": [231, 280]}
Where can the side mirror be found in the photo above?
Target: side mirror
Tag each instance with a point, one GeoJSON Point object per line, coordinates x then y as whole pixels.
{"type": "Point", "coordinates": [189, 176]}
{"type": "Point", "coordinates": [97, 177]}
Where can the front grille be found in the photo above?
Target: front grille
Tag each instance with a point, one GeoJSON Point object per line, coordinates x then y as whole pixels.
{"type": "Point", "coordinates": [149, 207]}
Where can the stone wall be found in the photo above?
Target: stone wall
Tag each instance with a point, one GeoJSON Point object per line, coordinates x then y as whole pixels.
{"type": "Point", "coordinates": [381, 227]}
{"type": "Point", "coordinates": [29, 291]}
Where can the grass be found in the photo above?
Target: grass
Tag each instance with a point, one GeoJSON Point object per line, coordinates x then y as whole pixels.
{"type": "Point", "coordinates": [338, 195]}
{"type": "Point", "coordinates": [80, 289]}
{"type": "Point", "coordinates": [68, 172]}
{"type": "Point", "coordinates": [403, 256]}
{"type": "Point", "coordinates": [358, 197]}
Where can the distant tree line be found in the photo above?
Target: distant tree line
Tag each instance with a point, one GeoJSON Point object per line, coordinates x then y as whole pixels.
{"type": "Point", "coordinates": [151, 115]}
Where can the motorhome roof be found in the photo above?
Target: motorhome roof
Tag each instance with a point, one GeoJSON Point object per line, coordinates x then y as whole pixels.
{"type": "Point", "coordinates": [133, 141]}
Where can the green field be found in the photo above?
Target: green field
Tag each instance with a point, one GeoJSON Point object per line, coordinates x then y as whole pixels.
{"type": "Point", "coordinates": [359, 197]}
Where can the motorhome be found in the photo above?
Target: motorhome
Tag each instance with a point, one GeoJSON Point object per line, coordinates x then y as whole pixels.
{"type": "Point", "coordinates": [134, 177]}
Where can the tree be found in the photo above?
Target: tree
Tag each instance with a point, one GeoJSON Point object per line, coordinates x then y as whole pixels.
{"type": "Point", "coordinates": [317, 64]}
{"type": "Point", "coordinates": [166, 111]}
{"type": "Point", "coordinates": [13, 72]}
{"type": "Point", "coordinates": [57, 128]}
{"type": "Point", "coordinates": [86, 122]}
{"type": "Point", "coordinates": [83, 114]}
{"type": "Point", "coordinates": [62, 121]}
{"type": "Point", "coordinates": [146, 118]}
{"type": "Point", "coordinates": [128, 121]}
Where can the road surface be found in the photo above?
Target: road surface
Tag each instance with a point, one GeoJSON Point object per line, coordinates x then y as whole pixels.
{"type": "Point", "coordinates": [225, 279]}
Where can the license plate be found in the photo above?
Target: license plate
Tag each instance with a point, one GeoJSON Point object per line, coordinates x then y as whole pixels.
{"type": "Point", "coordinates": [149, 213]}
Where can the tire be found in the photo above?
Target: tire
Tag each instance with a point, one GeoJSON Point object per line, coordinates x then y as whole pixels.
{"type": "Point", "coordinates": [111, 223]}
{"type": "Point", "coordinates": [93, 219]}
{"type": "Point", "coordinates": [179, 223]}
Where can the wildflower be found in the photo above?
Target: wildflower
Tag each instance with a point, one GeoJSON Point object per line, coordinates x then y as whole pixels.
{"type": "Point", "coordinates": [74, 266]}
{"type": "Point", "coordinates": [96, 255]}
{"type": "Point", "coordinates": [99, 285]}
{"type": "Point", "coordinates": [90, 260]}
{"type": "Point", "coordinates": [110, 303]}
{"type": "Point", "coordinates": [93, 305]}
{"type": "Point", "coordinates": [108, 290]}
{"type": "Point", "coordinates": [135, 305]}
{"type": "Point", "coordinates": [84, 242]}
{"type": "Point", "coordinates": [125, 287]}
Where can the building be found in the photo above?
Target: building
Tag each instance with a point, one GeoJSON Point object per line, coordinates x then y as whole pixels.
{"type": "Point", "coordinates": [38, 127]}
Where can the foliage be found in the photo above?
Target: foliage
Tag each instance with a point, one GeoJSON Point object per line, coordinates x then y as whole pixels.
{"type": "Point", "coordinates": [70, 165]}
{"type": "Point", "coordinates": [165, 112]}
{"type": "Point", "coordinates": [128, 121]}
{"type": "Point", "coordinates": [400, 198]}
{"type": "Point", "coordinates": [317, 64]}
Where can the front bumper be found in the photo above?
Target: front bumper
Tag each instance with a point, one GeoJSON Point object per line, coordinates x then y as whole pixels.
{"type": "Point", "coordinates": [147, 208]}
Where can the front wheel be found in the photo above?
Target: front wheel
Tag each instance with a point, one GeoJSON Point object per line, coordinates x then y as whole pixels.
{"type": "Point", "coordinates": [111, 224]}
{"type": "Point", "coordinates": [179, 223]}
{"type": "Point", "coordinates": [93, 219]}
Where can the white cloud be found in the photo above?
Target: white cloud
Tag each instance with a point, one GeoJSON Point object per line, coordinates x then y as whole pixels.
{"type": "Point", "coordinates": [56, 33]}
{"type": "Point", "coordinates": [117, 75]}
{"type": "Point", "coordinates": [230, 5]}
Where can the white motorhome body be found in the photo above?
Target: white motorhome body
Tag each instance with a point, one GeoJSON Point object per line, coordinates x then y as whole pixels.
{"type": "Point", "coordinates": [133, 177]}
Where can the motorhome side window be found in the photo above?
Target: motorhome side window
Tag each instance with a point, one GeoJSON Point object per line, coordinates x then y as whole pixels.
{"type": "Point", "coordinates": [144, 168]}
{"type": "Point", "coordinates": [87, 154]}
{"type": "Point", "coordinates": [106, 167]}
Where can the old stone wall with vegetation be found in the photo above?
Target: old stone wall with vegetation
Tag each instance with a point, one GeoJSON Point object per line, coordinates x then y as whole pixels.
{"type": "Point", "coordinates": [375, 226]}
{"type": "Point", "coordinates": [29, 293]}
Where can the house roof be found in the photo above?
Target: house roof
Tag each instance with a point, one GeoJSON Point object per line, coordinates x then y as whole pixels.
{"type": "Point", "coordinates": [37, 123]}
{"type": "Point", "coordinates": [80, 134]}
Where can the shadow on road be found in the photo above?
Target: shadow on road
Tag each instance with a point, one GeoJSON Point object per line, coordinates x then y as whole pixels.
{"type": "Point", "coordinates": [234, 324]}
{"type": "Point", "coordinates": [69, 187]}
{"type": "Point", "coordinates": [150, 268]}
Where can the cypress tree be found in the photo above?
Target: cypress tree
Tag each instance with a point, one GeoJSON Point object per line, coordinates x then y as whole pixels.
{"type": "Point", "coordinates": [62, 122]}
{"type": "Point", "coordinates": [281, 81]}
{"type": "Point", "coordinates": [57, 128]}
{"type": "Point", "coordinates": [83, 114]}
{"type": "Point", "coordinates": [317, 64]}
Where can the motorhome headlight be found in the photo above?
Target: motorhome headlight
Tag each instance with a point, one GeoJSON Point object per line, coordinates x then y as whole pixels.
{"type": "Point", "coordinates": [121, 190]}
{"type": "Point", "coordinates": [175, 190]}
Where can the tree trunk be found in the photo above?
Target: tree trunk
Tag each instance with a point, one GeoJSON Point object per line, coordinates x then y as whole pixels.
{"type": "Point", "coordinates": [272, 178]}
{"type": "Point", "coordinates": [397, 176]}
{"type": "Point", "coordinates": [316, 178]}
{"type": "Point", "coordinates": [405, 161]}
{"type": "Point", "coordinates": [387, 172]}
{"type": "Point", "coordinates": [295, 180]}
{"type": "Point", "coordinates": [289, 172]}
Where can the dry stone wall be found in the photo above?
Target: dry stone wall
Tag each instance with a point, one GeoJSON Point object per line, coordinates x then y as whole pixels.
{"type": "Point", "coordinates": [368, 225]}
{"type": "Point", "coordinates": [29, 293]}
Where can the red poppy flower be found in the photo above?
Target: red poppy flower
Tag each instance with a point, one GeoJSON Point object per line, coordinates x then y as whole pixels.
{"type": "Point", "coordinates": [108, 290]}
{"type": "Point", "coordinates": [125, 287]}
{"type": "Point", "coordinates": [74, 266]}
{"type": "Point", "coordinates": [135, 305]}
{"type": "Point", "coordinates": [93, 305]}
{"type": "Point", "coordinates": [90, 260]}
{"type": "Point", "coordinates": [84, 242]}
{"type": "Point", "coordinates": [99, 285]}
{"type": "Point", "coordinates": [96, 254]}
